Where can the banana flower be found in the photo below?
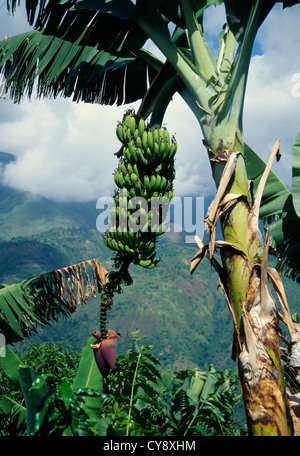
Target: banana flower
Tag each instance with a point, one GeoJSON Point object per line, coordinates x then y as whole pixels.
{"type": "Point", "coordinates": [105, 351]}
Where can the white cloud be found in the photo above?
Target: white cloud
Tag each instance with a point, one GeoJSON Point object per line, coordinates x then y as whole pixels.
{"type": "Point", "coordinates": [65, 150]}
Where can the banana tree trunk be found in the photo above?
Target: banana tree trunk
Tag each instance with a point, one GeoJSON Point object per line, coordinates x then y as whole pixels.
{"type": "Point", "coordinates": [244, 279]}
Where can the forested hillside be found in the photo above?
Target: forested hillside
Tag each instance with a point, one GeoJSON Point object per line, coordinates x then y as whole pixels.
{"type": "Point", "coordinates": [185, 317]}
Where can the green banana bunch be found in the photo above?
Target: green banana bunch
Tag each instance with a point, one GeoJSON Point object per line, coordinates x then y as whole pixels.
{"type": "Point", "coordinates": [145, 169]}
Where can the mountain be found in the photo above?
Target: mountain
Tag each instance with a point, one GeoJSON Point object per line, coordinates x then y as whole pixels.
{"type": "Point", "coordinates": [184, 317]}
{"type": "Point", "coordinates": [23, 214]}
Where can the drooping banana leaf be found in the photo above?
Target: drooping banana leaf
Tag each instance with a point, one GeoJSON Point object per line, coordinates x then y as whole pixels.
{"type": "Point", "coordinates": [71, 70]}
{"type": "Point", "coordinates": [278, 211]}
{"type": "Point", "coordinates": [47, 297]}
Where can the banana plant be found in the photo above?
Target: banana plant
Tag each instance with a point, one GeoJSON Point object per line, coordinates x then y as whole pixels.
{"type": "Point", "coordinates": [93, 51]}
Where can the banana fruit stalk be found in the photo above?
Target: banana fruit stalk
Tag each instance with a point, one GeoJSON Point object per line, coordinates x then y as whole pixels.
{"type": "Point", "coordinates": [145, 169]}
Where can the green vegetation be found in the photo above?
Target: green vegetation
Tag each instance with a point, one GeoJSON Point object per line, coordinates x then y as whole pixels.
{"type": "Point", "coordinates": [49, 391]}
{"type": "Point", "coordinates": [173, 310]}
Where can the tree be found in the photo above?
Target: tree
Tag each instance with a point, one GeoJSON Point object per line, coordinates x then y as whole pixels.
{"type": "Point", "coordinates": [92, 51]}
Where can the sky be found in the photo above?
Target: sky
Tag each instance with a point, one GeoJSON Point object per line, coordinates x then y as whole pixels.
{"type": "Point", "coordinates": [65, 151]}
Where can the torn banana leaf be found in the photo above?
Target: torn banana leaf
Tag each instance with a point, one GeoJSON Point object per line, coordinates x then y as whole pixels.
{"type": "Point", "coordinates": [47, 297]}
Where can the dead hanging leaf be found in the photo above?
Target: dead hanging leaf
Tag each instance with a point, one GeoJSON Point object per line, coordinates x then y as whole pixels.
{"type": "Point", "coordinates": [204, 251]}
{"type": "Point", "coordinates": [73, 282]}
{"type": "Point", "coordinates": [280, 292]}
{"type": "Point", "coordinates": [214, 209]}
{"type": "Point", "coordinates": [293, 327]}
{"type": "Point", "coordinates": [199, 255]}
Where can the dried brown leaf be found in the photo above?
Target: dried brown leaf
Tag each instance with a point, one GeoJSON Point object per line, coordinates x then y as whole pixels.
{"type": "Point", "coordinates": [73, 282]}
{"type": "Point", "coordinates": [263, 180]}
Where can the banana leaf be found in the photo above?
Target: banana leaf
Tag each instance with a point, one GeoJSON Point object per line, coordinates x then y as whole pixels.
{"type": "Point", "coordinates": [87, 381]}
{"type": "Point", "coordinates": [72, 70]}
{"type": "Point", "coordinates": [13, 408]}
{"type": "Point", "coordinates": [10, 364]}
{"type": "Point", "coordinates": [33, 397]}
{"type": "Point", "coordinates": [45, 298]}
{"type": "Point", "coordinates": [237, 13]}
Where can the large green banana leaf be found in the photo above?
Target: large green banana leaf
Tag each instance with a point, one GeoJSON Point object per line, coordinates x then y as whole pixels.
{"type": "Point", "coordinates": [89, 379]}
{"type": "Point", "coordinates": [92, 50]}
{"type": "Point", "coordinates": [64, 68]}
{"type": "Point", "coordinates": [45, 298]}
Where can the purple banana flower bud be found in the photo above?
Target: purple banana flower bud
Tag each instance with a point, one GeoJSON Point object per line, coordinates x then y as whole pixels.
{"type": "Point", "coordinates": [105, 351]}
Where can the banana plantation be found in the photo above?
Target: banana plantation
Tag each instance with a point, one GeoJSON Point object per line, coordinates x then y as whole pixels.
{"type": "Point", "coordinates": [92, 51]}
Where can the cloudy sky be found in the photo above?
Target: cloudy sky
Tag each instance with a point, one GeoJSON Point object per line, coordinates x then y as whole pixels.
{"type": "Point", "coordinates": [65, 151]}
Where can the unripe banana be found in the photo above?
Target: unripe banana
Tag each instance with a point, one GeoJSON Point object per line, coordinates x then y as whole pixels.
{"type": "Point", "coordinates": [146, 180]}
{"type": "Point", "coordinates": [129, 168]}
{"type": "Point", "coordinates": [145, 263]}
{"type": "Point", "coordinates": [129, 250]}
{"type": "Point", "coordinates": [155, 151]}
{"type": "Point", "coordinates": [162, 148]}
{"type": "Point", "coordinates": [127, 180]}
{"type": "Point", "coordinates": [127, 154]}
{"type": "Point", "coordinates": [152, 184]}
{"type": "Point", "coordinates": [121, 247]}
{"type": "Point", "coordinates": [166, 152]}
{"type": "Point", "coordinates": [141, 126]}
{"type": "Point", "coordinates": [119, 132]}
{"type": "Point", "coordinates": [145, 140]}
{"type": "Point", "coordinates": [160, 134]}
{"type": "Point", "coordinates": [150, 139]}
{"type": "Point", "coordinates": [129, 120]}
{"type": "Point", "coordinates": [115, 245]}
{"type": "Point", "coordinates": [168, 185]}
{"type": "Point", "coordinates": [148, 154]}
{"type": "Point", "coordinates": [136, 170]}
{"type": "Point", "coordinates": [132, 124]}
{"type": "Point", "coordinates": [122, 167]}
{"type": "Point", "coordinates": [131, 238]}
{"type": "Point", "coordinates": [134, 178]}
{"type": "Point", "coordinates": [170, 195]}
{"type": "Point", "coordinates": [163, 183]}
{"type": "Point", "coordinates": [155, 135]}
{"type": "Point", "coordinates": [129, 136]}
{"type": "Point", "coordinates": [151, 266]}
{"type": "Point", "coordinates": [124, 133]}
{"type": "Point", "coordinates": [132, 150]}
{"type": "Point", "coordinates": [119, 180]}
{"type": "Point", "coordinates": [158, 182]}
{"type": "Point", "coordinates": [132, 192]}
{"type": "Point", "coordinates": [141, 157]}
{"type": "Point", "coordinates": [166, 135]}
{"type": "Point", "coordinates": [173, 148]}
